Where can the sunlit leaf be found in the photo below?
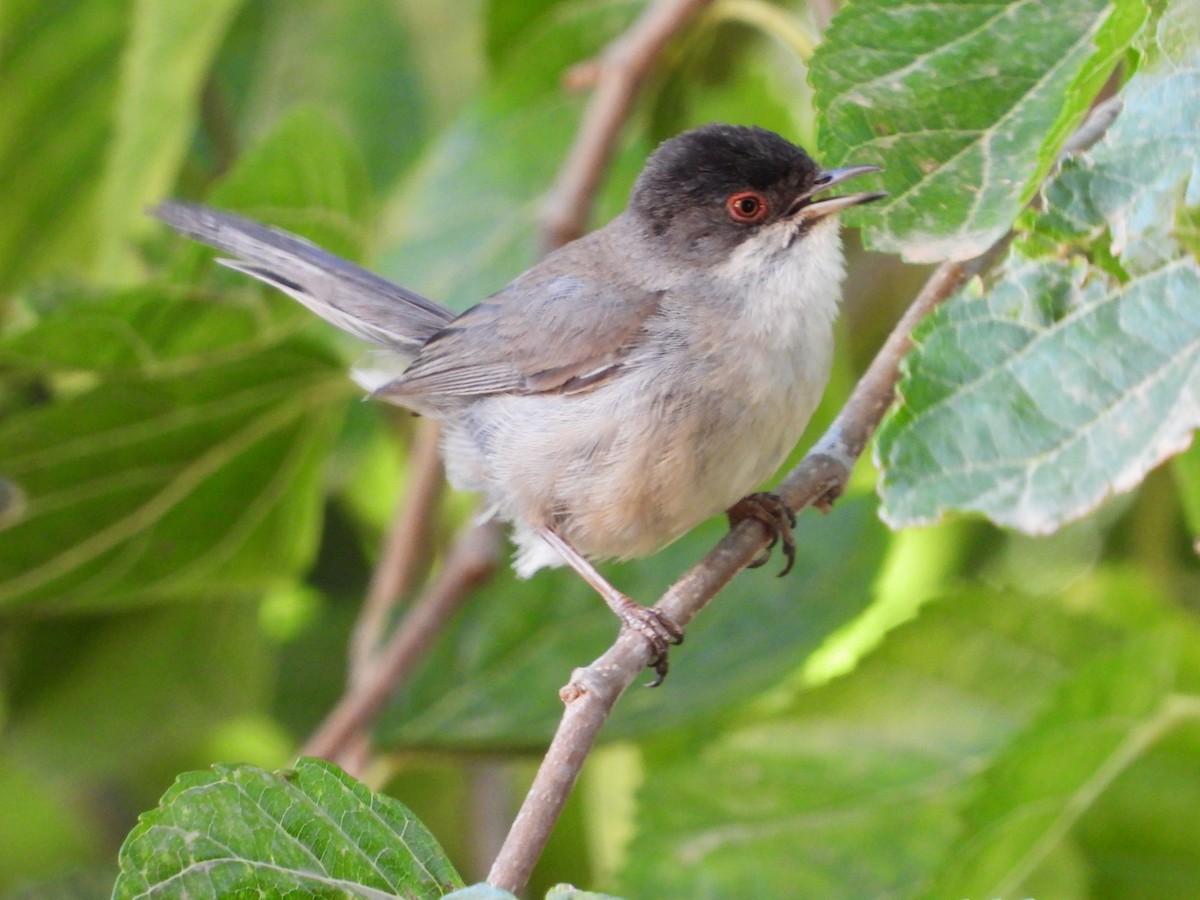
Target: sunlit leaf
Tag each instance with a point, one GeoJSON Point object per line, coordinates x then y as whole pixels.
{"type": "Point", "coordinates": [1133, 182]}
{"type": "Point", "coordinates": [859, 789]}
{"type": "Point", "coordinates": [965, 105]}
{"type": "Point", "coordinates": [1061, 384]}
{"type": "Point", "coordinates": [1034, 402]}
{"type": "Point", "coordinates": [198, 471]}
{"type": "Point", "coordinates": [165, 60]}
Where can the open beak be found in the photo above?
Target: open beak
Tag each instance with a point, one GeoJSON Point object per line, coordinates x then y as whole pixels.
{"type": "Point", "coordinates": [806, 208]}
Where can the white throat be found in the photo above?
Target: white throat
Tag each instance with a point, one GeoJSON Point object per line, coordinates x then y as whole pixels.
{"type": "Point", "coordinates": [789, 283]}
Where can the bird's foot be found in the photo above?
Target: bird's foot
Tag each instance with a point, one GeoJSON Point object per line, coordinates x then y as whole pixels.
{"type": "Point", "coordinates": [659, 631]}
{"type": "Point", "coordinates": [777, 516]}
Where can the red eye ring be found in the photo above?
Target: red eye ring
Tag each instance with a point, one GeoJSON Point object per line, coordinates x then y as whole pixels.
{"type": "Point", "coordinates": [746, 207]}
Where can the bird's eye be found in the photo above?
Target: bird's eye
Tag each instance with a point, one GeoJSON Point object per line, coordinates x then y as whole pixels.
{"type": "Point", "coordinates": [747, 207]}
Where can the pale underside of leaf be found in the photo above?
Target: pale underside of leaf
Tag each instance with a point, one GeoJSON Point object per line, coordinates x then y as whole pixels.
{"type": "Point", "coordinates": [1079, 409]}
{"type": "Point", "coordinates": [960, 164]}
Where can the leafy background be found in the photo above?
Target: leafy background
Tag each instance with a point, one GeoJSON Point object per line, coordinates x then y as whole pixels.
{"type": "Point", "coordinates": [192, 495]}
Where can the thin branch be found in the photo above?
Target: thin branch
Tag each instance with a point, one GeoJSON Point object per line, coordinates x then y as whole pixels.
{"type": "Point", "coordinates": [403, 549]}
{"type": "Point", "coordinates": [823, 12]}
{"type": "Point", "coordinates": [616, 76]}
{"type": "Point", "coordinates": [470, 562]}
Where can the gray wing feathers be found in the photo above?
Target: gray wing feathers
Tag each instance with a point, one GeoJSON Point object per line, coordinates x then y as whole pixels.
{"type": "Point", "coordinates": [350, 297]}
{"type": "Point", "coordinates": [569, 335]}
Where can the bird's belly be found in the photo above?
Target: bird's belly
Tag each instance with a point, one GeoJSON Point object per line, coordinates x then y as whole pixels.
{"type": "Point", "coordinates": [626, 469]}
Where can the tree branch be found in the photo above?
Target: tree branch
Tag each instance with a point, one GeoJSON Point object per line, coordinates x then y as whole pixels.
{"type": "Point", "coordinates": [616, 76]}
{"type": "Point", "coordinates": [402, 549]}
{"type": "Point", "coordinates": [823, 12]}
{"type": "Point", "coordinates": [470, 562]}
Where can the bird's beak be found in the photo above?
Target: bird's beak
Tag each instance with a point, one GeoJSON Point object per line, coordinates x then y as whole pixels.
{"type": "Point", "coordinates": [805, 207]}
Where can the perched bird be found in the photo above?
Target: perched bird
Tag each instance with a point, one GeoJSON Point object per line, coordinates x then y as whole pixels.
{"type": "Point", "coordinates": [633, 383]}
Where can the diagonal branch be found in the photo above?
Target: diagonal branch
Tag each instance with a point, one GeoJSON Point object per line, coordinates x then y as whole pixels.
{"type": "Point", "coordinates": [617, 76]}
{"type": "Point", "coordinates": [470, 562]}
{"type": "Point", "coordinates": [403, 548]}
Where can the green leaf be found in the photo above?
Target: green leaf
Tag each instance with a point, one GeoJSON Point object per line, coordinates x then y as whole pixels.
{"type": "Point", "coordinates": [171, 676]}
{"type": "Point", "coordinates": [147, 330]}
{"type": "Point", "coordinates": [58, 75]}
{"type": "Point", "coordinates": [351, 59]}
{"type": "Point", "coordinates": [75, 884]}
{"type": "Point", "coordinates": [1186, 468]}
{"type": "Point", "coordinates": [1034, 402]}
{"type": "Point", "coordinates": [311, 831]}
{"type": "Point", "coordinates": [1103, 720]}
{"type": "Point", "coordinates": [306, 176]}
{"type": "Point", "coordinates": [39, 828]}
{"type": "Point", "coordinates": [187, 462]}
{"type": "Point", "coordinates": [493, 678]}
{"type": "Point", "coordinates": [166, 58]}
{"type": "Point", "coordinates": [965, 105]}
{"type": "Point", "coordinates": [506, 22]}
{"type": "Point", "coordinates": [732, 72]}
{"type": "Point", "coordinates": [1130, 837]}
{"type": "Point", "coordinates": [196, 472]}
{"type": "Point", "coordinates": [858, 789]}
{"type": "Point", "coordinates": [1133, 182]}
{"type": "Point", "coordinates": [1061, 385]}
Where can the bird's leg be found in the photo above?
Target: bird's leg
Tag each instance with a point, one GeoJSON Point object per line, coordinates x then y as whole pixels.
{"type": "Point", "coordinates": [652, 624]}
{"type": "Point", "coordinates": [776, 515]}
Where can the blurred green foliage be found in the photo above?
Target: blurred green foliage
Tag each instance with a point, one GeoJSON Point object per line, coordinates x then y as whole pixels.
{"type": "Point", "coordinates": [192, 494]}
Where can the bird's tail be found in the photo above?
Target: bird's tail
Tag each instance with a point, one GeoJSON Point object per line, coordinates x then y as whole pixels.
{"type": "Point", "coordinates": [353, 299]}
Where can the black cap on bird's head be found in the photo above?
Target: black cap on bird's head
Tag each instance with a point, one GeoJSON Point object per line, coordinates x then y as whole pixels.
{"type": "Point", "coordinates": [711, 188]}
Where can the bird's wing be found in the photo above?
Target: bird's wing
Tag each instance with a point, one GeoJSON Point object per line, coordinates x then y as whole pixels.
{"type": "Point", "coordinates": [558, 333]}
{"type": "Point", "coordinates": [353, 299]}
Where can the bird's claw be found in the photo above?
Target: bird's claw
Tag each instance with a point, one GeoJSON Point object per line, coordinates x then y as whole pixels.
{"type": "Point", "coordinates": [777, 516]}
{"type": "Point", "coordinates": [660, 633]}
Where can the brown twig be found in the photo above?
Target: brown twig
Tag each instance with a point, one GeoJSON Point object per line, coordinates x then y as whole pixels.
{"type": "Point", "coordinates": [403, 548]}
{"type": "Point", "coordinates": [344, 735]}
{"type": "Point", "coordinates": [471, 560]}
{"type": "Point", "coordinates": [823, 12]}
{"type": "Point", "coordinates": [617, 75]}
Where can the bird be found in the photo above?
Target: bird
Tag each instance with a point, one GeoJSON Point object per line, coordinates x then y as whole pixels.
{"type": "Point", "coordinates": [631, 384]}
